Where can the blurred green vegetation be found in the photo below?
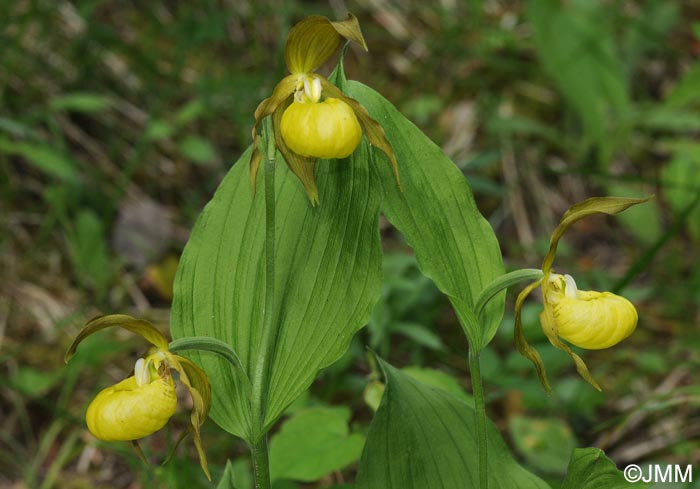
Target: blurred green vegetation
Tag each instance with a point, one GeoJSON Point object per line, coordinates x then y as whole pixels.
{"type": "Point", "coordinates": [118, 120]}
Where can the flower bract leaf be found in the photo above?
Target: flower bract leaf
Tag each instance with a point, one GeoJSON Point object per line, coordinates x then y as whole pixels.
{"type": "Point", "coordinates": [281, 96]}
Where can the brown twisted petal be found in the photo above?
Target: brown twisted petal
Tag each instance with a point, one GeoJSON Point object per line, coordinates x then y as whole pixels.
{"type": "Point", "coordinates": [280, 95]}
{"type": "Point", "coordinates": [197, 383]}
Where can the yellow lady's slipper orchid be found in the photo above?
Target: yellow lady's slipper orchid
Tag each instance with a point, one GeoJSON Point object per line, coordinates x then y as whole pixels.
{"type": "Point", "coordinates": [311, 117]}
{"type": "Point", "coordinates": [143, 403]}
{"type": "Point", "coordinates": [587, 319]}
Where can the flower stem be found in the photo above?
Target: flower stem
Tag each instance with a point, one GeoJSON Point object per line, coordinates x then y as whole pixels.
{"type": "Point", "coordinates": [501, 283]}
{"type": "Point", "coordinates": [261, 373]}
{"type": "Point", "coordinates": [480, 415]}
{"type": "Point", "coordinates": [213, 345]}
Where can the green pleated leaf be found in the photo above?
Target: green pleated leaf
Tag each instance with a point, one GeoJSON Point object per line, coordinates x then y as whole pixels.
{"type": "Point", "coordinates": [328, 272]}
{"type": "Point", "coordinates": [425, 438]}
{"type": "Point", "coordinates": [454, 245]}
{"type": "Point", "coordinates": [589, 468]}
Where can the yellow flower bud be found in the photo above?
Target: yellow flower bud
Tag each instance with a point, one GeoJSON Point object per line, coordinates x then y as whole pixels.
{"type": "Point", "coordinates": [588, 319]}
{"type": "Point", "coordinates": [128, 411]}
{"type": "Point", "coordinates": [326, 129]}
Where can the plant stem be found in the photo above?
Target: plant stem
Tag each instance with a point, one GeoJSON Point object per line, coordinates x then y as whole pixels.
{"type": "Point", "coordinates": [261, 463]}
{"type": "Point", "coordinates": [480, 415]}
{"type": "Point", "coordinates": [261, 374]}
{"type": "Point", "coordinates": [501, 283]}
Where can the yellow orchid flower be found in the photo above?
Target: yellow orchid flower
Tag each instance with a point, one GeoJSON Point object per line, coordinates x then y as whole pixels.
{"type": "Point", "coordinates": [311, 117]}
{"type": "Point", "coordinates": [587, 319]}
{"type": "Point", "coordinates": [143, 403]}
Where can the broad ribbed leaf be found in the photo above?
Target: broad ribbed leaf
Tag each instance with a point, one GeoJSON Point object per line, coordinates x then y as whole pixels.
{"type": "Point", "coordinates": [328, 272]}
{"type": "Point", "coordinates": [589, 468]}
{"type": "Point", "coordinates": [425, 438]}
{"type": "Point", "coordinates": [454, 245]}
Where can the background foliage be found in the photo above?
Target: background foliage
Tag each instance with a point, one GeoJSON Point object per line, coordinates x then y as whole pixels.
{"type": "Point", "coordinates": [119, 119]}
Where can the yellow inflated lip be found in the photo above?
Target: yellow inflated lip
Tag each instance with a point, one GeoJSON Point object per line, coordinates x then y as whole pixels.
{"type": "Point", "coordinates": [127, 411]}
{"type": "Point", "coordinates": [589, 319]}
{"type": "Point", "coordinates": [326, 129]}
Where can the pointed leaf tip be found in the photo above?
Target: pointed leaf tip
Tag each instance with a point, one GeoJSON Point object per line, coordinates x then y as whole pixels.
{"type": "Point", "coordinates": [228, 479]}
{"type": "Point", "coordinates": [350, 30]}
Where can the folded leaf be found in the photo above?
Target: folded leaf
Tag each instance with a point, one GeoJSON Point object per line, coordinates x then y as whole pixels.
{"type": "Point", "coordinates": [435, 211]}
{"type": "Point", "coordinates": [589, 468]}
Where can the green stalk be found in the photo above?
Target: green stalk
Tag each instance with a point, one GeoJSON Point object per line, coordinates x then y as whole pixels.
{"type": "Point", "coordinates": [261, 374]}
{"type": "Point", "coordinates": [261, 463]}
{"type": "Point", "coordinates": [213, 345]}
{"type": "Point", "coordinates": [480, 415]}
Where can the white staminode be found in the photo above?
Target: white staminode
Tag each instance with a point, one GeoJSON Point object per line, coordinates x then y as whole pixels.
{"type": "Point", "coordinates": [141, 372]}
{"type": "Point", "coordinates": [571, 289]}
{"type": "Point", "coordinates": [312, 88]}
